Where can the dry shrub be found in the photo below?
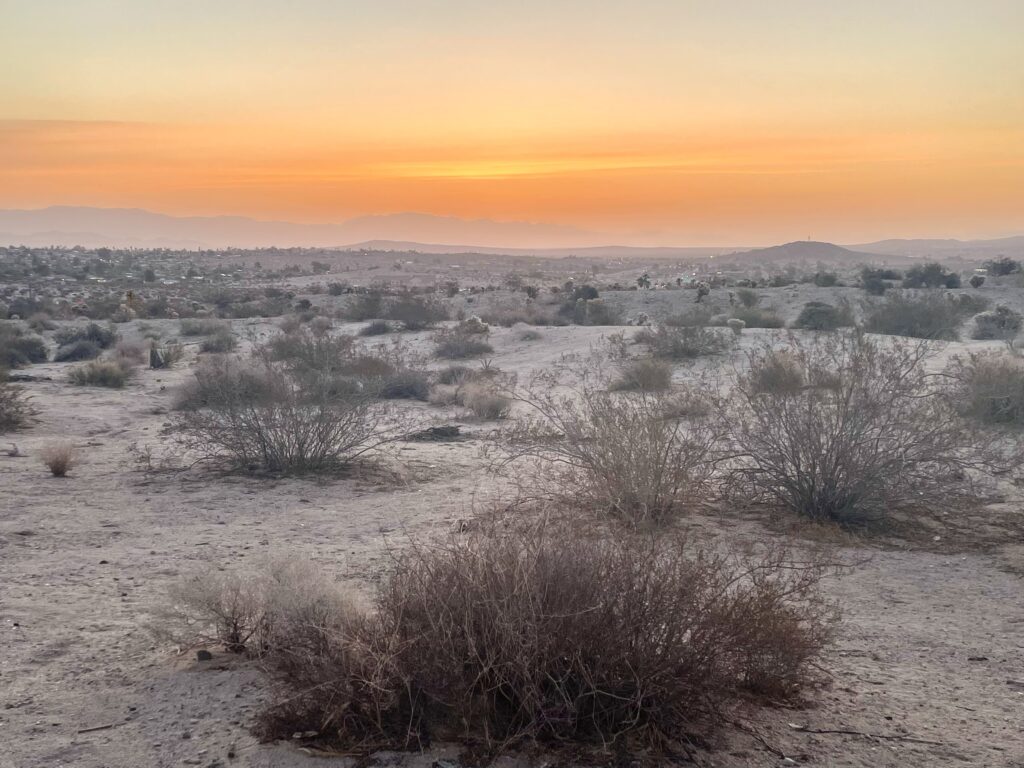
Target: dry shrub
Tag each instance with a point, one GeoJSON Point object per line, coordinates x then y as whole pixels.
{"type": "Point", "coordinates": [545, 633]}
{"type": "Point", "coordinates": [756, 317]}
{"type": "Point", "coordinates": [683, 342]}
{"type": "Point", "coordinates": [113, 374]}
{"type": "Point", "coordinates": [530, 335]}
{"type": "Point", "coordinates": [819, 316]}
{"type": "Point", "coordinates": [202, 326]}
{"type": "Point", "coordinates": [644, 375]}
{"type": "Point", "coordinates": [869, 434]}
{"type": "Point", "coordinates": [415, 313]}
{"type": "Point", "coordinates": [375, 328]}
{"type": "Point", "coordinates": [454, 344]}
{"type": "Point", "coordinates": [265, 416]}
{"type": "Point", "coordinates": [632, 455]}
{"type": "Point", "coordinates": [485, 402]}
{"type": "Point", "coordinates": [59, 458]}
{"type": "Point", "coordinates": [103, 337]}
{"type": "Point", "coordinates": [691, 317]}
{"type": "Point", "coordinates": [15, 410]}
{"type": "Point", "coordinates": [220, 342]}
{"type": "Point", "coordinates": [133, 352]}
{"type": "Point", "coordinates": [76, 351]}
{"type": "Point", "coordinates": [365, 306]}
{"type": "Point", "coordinates": [254, 611]}
{"type": "Point", "coordinates": [990, 387]}
{"type": "Point", "coordinates": [509, 311]}
{"type": "Point", "coordinates": [165, 355]}
{"type": "Point", "coordinates": [748, 297]}
{"type": "Point", "coordinates": [41, 321]}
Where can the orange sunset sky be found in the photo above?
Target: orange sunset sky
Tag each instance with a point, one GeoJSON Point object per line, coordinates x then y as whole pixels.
{"type": "Point", "coordinates": [655, 122]}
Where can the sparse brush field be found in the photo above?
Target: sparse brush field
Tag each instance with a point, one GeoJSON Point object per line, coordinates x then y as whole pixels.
{"type": "Point", "coordinates": [560, 521]}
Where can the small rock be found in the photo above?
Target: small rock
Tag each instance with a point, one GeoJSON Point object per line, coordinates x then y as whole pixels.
{"type": "Point", "coordinates": [203, 655]}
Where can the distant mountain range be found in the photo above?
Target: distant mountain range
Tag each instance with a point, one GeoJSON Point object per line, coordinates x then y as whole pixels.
{"type": "Point", "coordinates": [133, 227]}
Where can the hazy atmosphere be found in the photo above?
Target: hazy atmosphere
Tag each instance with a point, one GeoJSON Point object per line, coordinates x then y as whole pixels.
{"type": "Point", "coordinates": [444, 384]}
{"type": "Point", "coordinates": [650, 123]}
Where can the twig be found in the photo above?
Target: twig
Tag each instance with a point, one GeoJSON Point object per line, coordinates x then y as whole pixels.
{"type": "Point", "coordinates": [893, 736]}
{"type": "Point", "coordinates": [99, 727]}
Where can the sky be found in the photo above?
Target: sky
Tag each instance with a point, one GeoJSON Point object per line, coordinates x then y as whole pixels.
{"type": "Point", "coordinates": [654, 121]}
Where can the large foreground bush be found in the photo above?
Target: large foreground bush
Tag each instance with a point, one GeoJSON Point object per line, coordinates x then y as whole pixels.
{"type": "Point", "coordinates": [851, 430]}
{"type": "Point", "coordinates": [15, 410]}
{"type": "Point", "coordinates": [990, 387]}
{"type": "Point", "coordinates": [18, 348]}
{"type": "Point", "coordinates": [533, 633]}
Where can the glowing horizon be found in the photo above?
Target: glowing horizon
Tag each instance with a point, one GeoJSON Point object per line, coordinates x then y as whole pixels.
{"type": "Point", "coordinates": [660, 123]}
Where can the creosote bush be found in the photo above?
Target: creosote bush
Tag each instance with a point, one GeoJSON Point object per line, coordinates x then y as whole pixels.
{"type": "Point", "coordinates": [920, 316]}
{"type": "Point", "coordinates": [542, 633]}
{"type": "Point", "coordinates": [455, 344]}
{"type": "Point", "coordinates": [1000, 323]}
{"type": "Point", "coordinates": [76, 351]}
{"type": "Point", "coordinates": [855, 431]}
{"type": "Point", "coordinates": [819, 316]}
{"type": "Point", "coordinates": [102, 337]}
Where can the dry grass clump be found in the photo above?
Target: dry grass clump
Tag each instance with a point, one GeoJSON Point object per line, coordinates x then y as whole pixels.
{"type": "Point", "coordinates": [113, 374]}
{"type": "Point", "coordinates": [220, 342]}
{"type": "Point", "coordinates": [133, 352]}
{"type": "Point", "coordinates": [41, 321]}
{"type": "Point", "coordinates": [485, 403]}
{"type": "Point", "coordinates": [756, 317]}
{"type": "Point", "coordinates": [643, 375]}
{"type": "Point", "coordinates": [453, 344]}
{"type": "Point", "coordinates": [990, 387]}
{"type": "Point", "coordinates": [202, 326]}
{"type": "Point", "coordinates": [635, 456]}
{"type": "Point", "coordinates": [921, 316]}
{"type": "Point", "coordinates": [867, 435]}
{"type": "Point", "coordinates": [15, 410]}
{"type": "Point", "coordinates": [255, 611]}
{"type": "Point", "coordinates": [683, 342]}
{"type": "Point", "coordinates": [59, 458]}
{"type": "Point", "coordinates": [545, 633]}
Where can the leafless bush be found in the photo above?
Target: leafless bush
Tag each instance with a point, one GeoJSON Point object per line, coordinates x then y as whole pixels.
{"type": "Point", "coordinates": [546, 633]}
{"type": "Point", "coordinates": [254, 611]}
{"type": "Point", "coordinates": [165, 355]}
{"type": "Point", "coordinates": [59, 458]}
{"type": "Point", "coordinates": [851, 430]}
{"type": "Point", "coordinates": [683, 342]}
{"type": "Point", "coordinates": [644, 375]}
{"type": "Point", "coordinates": [15, 410]}
{"type": "Point", "coordinates": [631, 455]}
{"type": "Point", "coordinates": [133, 352]}
{"type": "Point", "coordinates": [268, 417]}
{"type": "Point", "coordinates": [453, 344]}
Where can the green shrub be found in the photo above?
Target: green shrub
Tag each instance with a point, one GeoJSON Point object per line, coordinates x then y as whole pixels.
{"type": "Point", "coordinates": [77, 351]}
{"type": "Point", "coordinates": [819, 316]}
{"type": "Point", "coordinates": [921, 316]}
{"type": "Point", "coordinates": [1001, 323]}
{"type": "Point", "coordinates": [18, 348]}
{"type": "Point", "coordinates": [102, 337]}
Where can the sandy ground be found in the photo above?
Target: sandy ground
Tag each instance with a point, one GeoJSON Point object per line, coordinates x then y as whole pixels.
{"type": "Point", "coordinates": [930, 656]}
